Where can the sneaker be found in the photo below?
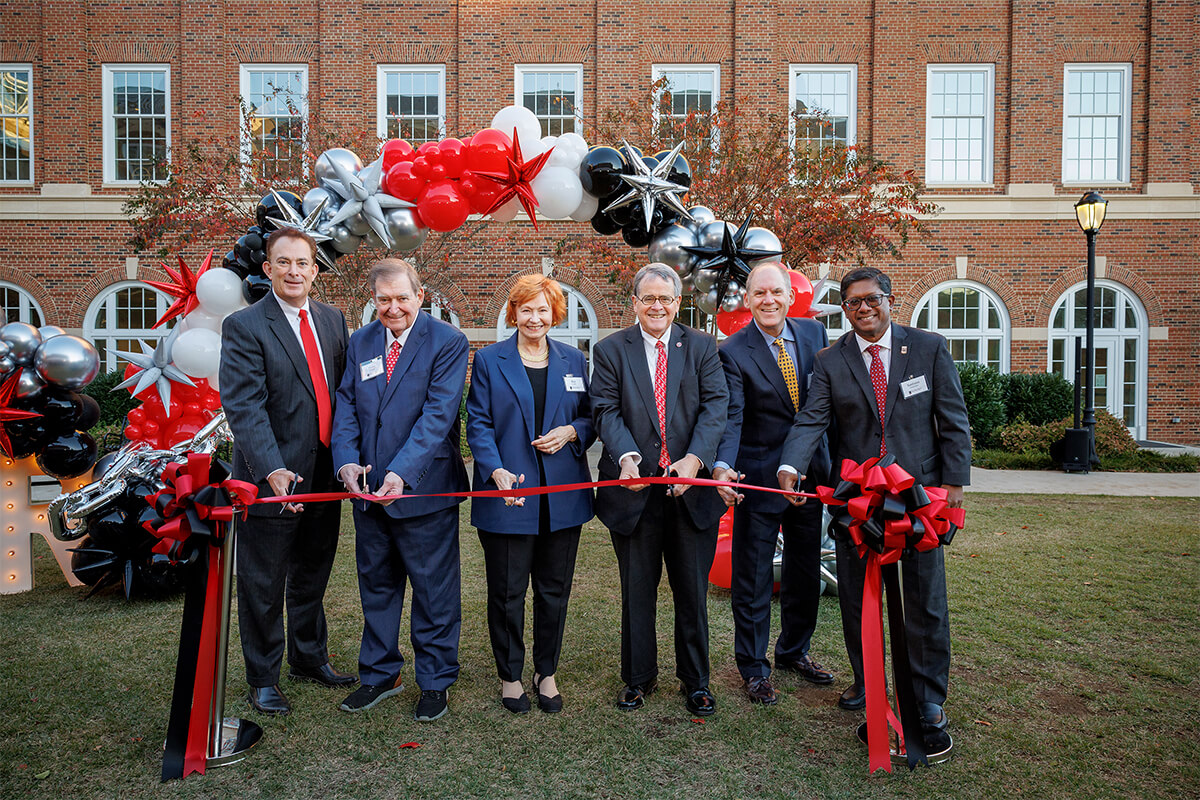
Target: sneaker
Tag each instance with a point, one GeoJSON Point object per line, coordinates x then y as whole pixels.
{"type": "Point", "coordinates": [369, 696]}
{"type": "Point", "coordinates": [431, 706]}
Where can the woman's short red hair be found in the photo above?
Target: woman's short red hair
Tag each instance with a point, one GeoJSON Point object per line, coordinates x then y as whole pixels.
{"type": "Point", "coordinates": [528, 287]}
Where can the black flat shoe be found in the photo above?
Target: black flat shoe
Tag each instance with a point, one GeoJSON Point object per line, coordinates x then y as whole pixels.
{"type": "Point", "coordinates": [550, 705]}
{"type": "Point", "coordinates": [517, 705]}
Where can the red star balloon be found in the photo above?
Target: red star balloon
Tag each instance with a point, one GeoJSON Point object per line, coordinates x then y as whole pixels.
{"type": "Point", "coordinates": [516, 180]}
{"type": "Point", "coordinates": [9, 414]}
{"type": "Point", "coordinates": [183, 289]}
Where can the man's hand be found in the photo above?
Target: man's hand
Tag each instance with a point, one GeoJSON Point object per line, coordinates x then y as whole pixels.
{"type": "Point", "coordinates": [954, 495]}
{"type": "Point", "coordinates": [392, 486]}
{"type": "Point", "coordinates": [507, 480]}
{"type": "Point", "coordinates": [281, 481]}
{"type": "Point", "coordinates": [630, 470]}
{"type": "Point", "coordinates": [354, 478]}
{"type": "Point", "coordinates": [556, 439]}
{"type": "Point", "coordinates": [789, 481]}
{"type": "Point", "coordinates": [730, 496]}
{"type": "Point", "coordinates": [686, 467]}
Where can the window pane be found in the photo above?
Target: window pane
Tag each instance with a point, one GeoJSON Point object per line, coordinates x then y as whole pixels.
{"type": "Point", "coordinates": [1092, 136]}
{"type": "Point", "coordinates": [955, 138]}
{"type": "Point", "coordinates": [139, 124]}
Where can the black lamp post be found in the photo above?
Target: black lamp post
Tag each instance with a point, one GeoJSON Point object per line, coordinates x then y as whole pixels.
{"type": "Point", "coordinates": [1089, 211]}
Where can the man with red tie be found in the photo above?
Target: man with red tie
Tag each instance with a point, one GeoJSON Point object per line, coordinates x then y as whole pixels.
{"type": "Point", "coordinates": [281, 360]}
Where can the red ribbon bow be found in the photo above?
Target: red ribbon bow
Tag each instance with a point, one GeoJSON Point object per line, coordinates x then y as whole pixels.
{"type": "Point", "coordinates": [198, 497]}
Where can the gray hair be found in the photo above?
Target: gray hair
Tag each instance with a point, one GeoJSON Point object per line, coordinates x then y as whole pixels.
{"type": "Point", "coordinates": [656, 269]}
{"type": "Point", "coordinates": [391, 268]}
{"type": "Point", "coordinates": [787, 278]}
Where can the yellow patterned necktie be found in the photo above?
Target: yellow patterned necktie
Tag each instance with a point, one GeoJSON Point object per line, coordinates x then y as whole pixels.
{"type": "Point", "coordinates": [789, 373]}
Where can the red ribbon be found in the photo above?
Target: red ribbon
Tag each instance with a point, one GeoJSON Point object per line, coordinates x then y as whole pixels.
{"type": "Point", "coordinates": [198, 493]}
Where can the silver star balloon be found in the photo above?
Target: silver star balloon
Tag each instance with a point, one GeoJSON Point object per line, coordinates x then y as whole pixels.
{"type": "Point", "coordinates": [306, 224]}
{"type": "Point", "coordinates": [361, 193]}
{"type": "Point", "coordinates": [651, 186]}
{"type": "Point", "coordinates": [156, 368]}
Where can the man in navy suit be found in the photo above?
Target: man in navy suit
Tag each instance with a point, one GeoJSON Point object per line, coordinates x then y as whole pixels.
{"type": "Point", "coordinates": [396, 433]}
{"type": "Point", "coordinates": [767, 366]}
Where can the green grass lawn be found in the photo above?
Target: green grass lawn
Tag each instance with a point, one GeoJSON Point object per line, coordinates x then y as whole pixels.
{"type": "Point", "coordinates": [1075, 675]}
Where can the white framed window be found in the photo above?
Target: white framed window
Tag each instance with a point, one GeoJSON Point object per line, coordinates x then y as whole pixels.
{"type": "Point", "coordinates": [274, 123]}
{"type": "Point", "coordinates": [121, 316]}
{"type": "Point", "coordinates": [1121, 336]}
{"type": "Point", "coordinates": [17, 305]}
{"type": "Point", "coordinates": [137, 122]}
{"type": "Point", "coordinates": [824, 101]}
{"type": "Point", "coordinates": [578, 329]}
{"type": "Point", "coordinates": [973, 319]}
{"type": "Point", "coordinates": [689, 98]}
{"type": "Point", "coordinates": [1096, 123]}
{"type": "Point", "coordinates": [16, 123]}
{"type": "Point", "coordinates": [436, 308]}
{"type": "Point", "coordinates": [411, 102]}
{"type": "Point", "coordinates": [554, 93]}
{"type": "Point", "coordinates": [959, 107]}
{"type": "Point", "coordinates": [836, 323]}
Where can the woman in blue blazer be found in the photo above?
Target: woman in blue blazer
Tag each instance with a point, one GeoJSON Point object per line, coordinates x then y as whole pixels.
{"type": "Point", "coordinates": [529, 423]}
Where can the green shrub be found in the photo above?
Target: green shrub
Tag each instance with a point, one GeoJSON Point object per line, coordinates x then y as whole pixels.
{"type": "Point", "coordinates": [1112, 437]}
{"type": "Point", "coordinates": [983, 390]}
{"type": "Point", "coordinates": [1001, 459]}
{"type": "Point", "coordinates": [113, 405]}
{"type": "Point", "coordinates": [1037, 397]}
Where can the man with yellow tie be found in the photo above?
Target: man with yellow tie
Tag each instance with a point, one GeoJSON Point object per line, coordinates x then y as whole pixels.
{"type": "Point", "coordinates": [767, 366]}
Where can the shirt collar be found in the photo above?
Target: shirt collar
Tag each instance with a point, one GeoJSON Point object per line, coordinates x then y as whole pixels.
{"type": "Point", "coordinates": [885, 341]}
{"type": "Point", "coordinates": [651, 341]}
{"type": "Point", "coordinates": [402, 338]}
{"type": "Point", "coordinates": [786, 335]}
{"type": "Point", "coordinates": [290, 309]}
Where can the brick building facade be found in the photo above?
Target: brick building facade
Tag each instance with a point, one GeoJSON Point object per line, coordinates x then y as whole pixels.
{"type": "Point", "coordinates": [1009, 110]}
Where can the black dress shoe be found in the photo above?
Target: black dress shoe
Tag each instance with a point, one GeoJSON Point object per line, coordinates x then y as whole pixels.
{"type": "Point", "coordinates": [853, 699]}
{"type": "Point", "coordinates": [550, 705]}
{"type": "Point", "coordinates": [806, 668]}
{"type": "Point", "coordinates": [517, 705]}
{"type": "Point", "coordinates": [269, 700]}
{"type": "Point", "coordinates": [631, 698]}
{"type": "Point", "coordinates": [325, 675]}
{"type": "Point", "coordinates": [760, 690]}
{"type": "Point", "coordinates": [933, 718]}
{"type": "Point", "coordinates": [700, 701]}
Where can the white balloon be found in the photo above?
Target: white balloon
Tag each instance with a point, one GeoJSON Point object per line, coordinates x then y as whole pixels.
{"type": "Point", "coordinates": [198, 352]}
{"type": "Point", "coordinates": [577, 143]}
{"type": "Point", "coordinates": [202, 319]}
{"type": "Point", "coordinates": [529, 130]}
{"type": "Point", "coordinates": [558, 192]}
{"type": "Point", "coordinates": [214, 381]}
{"type": "Point", "coordinates": [508, 211]}
{"type": "Point", "coordinates": [219, 291]}
{"type": "Point", "coordinates": [586, 208]}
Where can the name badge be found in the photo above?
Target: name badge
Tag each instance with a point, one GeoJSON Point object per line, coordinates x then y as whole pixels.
{"type": "Point", "coordinates": [574, 383]}
{"type": "Point", "coordinates": [914, 386]}
{"type": "Point", "coordinates": [371, 369]}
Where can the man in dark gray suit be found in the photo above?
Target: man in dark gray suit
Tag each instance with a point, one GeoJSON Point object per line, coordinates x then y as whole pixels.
{"type": "Point", "coordinates": [281, 360]}
{"type": "Point", "coordinates": [910, 373]}
{"type": "Point", "coordinates": [659, 401]}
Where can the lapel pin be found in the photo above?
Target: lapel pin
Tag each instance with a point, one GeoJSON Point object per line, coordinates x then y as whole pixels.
{"type": "Point", "coordinates": [679, 344]}
{"type": "Point", "coordinates": [903, 349]}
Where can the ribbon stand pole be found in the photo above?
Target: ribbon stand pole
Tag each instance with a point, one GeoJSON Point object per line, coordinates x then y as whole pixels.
{"type": "Point", "coordinates": [229, 738]}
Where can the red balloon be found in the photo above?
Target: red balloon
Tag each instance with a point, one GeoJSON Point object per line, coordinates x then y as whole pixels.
{"type": "Point", "coordinates": [150, 428]}
{"type": "Point", "coordinates": [467, 184]}
{"type": "Point", "coordinates": [421, 167]}
{"type": "Point", "coordinates": [454, 157]}
{"type": "Point", "coordinates": [137, 416]}
{"type": "Point", "coordinates": [431, 151]}
{"type": "Point", "coordinates": [395, 151]}
{"type": "Point", "coordinates": [403, 183]}
{"type": "Point", "coordinates": [730, 322]}
{"type": "Point", "coordinates": [442, 207]}
{"type": "Point", "coordinates": [133, 433]}
{"type": "Point", "coordinates": [804, 294]}
{"type": "Point", "coordinates": [485, 196]}
{"type": "Point", "coordinates": [211, 401]}
{"type": "Point", "coordinates": [466, 140]}
{"type": "Point", "coordinates": [437, 172]}
{"type": "Point", "coordinates": [489, 151]}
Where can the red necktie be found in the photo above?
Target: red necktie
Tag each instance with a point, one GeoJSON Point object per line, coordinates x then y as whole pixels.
{"type": "Point", "coordinates": [879, 381]}
{"type": "Point", "coordinates": [660, 402]}
{"type": "Point", "coordinates": [320, 388]}
{"type": "Point", "coordinates": [392, 357]}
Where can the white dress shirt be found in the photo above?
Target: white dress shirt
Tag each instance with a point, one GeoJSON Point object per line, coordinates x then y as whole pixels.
{"type": "Point", "coordinates": [292, 314]}
{"type": "Point", "coordinates": [650, 345]}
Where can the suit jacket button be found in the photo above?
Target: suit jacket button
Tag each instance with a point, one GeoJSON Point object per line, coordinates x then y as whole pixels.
{"type": "Point", "coordinates": [378, 423]}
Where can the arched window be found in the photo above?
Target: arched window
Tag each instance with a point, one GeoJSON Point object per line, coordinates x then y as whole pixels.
{"type": "Point", "coordinates": [17, 305]}
{"type": "Point", "coordinates": [836, 323]}
{"type": "Point", "coordinates": [579, 329]}
{"type": "Point", "coordinates": [437, 309]}
{"type": "Point", "coordinates": [1121, 334]}
{"type": "Point", "coordinates": [973, 320]}
{"type": "Point", "coordinates": [120, 317]}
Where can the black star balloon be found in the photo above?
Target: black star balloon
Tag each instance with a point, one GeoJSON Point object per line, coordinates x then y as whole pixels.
{"type": "Point", "coordinates": [732, 259]}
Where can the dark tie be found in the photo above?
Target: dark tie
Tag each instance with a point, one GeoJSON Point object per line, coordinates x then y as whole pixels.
{"type": "Point", "coordinates": [789, 373]}
{"type": "Point", "coordinates": [320, 388]}
{"type": "Point", "coordinates": [392, 357]}
{"type": "Point", "coordinates": [660, 402]}
{"type": "Point", "coordinates": [879, 381]}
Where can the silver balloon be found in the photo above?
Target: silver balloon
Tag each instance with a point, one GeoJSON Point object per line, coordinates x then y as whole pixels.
{"type": "Point", "coordinates": [701, 216]}
{"type": "Point", "coordinates": [707, 302]}
{"type": "Point", "coordinates": [667, 247]}
{"type": "Point", "coordinates": [373, 240]}
{"type": "Point", "coordinates": [358, 225]}
{"type": "Point", "coordinates": [314, 196]}
{"type": "Point", "coordinates": [29, 384]}
{"type": "Point", "coordinates": [3, 349]}
{"type": "Point", "coordinates": [50, 331]}
{"type": "Point", "coordinates": [712, 234]}
{"type": "Point", "coordinates": [733, 301]}
{"type": "Point", "coordinates": [23, 340]}
{"type": "Point", "coordinates": [7, 365]}
{"type": "Point", "coordinates": [67, 361]}
{"type": "Point", "coordinates": [343, 240]}
{"type": "Point", "coordinates": [325, 169]}
{"type": "Point", "coordinates": [688, 281]}
{"type": "Point", "coordinates": [406, 232]}
{"type": "Point", "coordinates": [705, 279]}
{"type": "Point", "coordinates": [761, 239]}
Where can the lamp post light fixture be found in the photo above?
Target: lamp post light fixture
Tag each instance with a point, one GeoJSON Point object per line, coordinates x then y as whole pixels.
{"type": "Point", "coordinates": [1089, 211]}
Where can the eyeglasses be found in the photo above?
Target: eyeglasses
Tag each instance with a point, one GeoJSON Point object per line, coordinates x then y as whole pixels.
{"type": "Point", "coordinates": [872, 300]}
{"type": "Point", "coordinates": [651, 299]}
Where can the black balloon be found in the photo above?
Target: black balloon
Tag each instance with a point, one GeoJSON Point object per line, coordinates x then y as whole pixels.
{"type": "Point", "coordinates": [90, 414]}
{"type": "Point", "coordinates": [26, 436]}
{"type": "Point", "coordinates": [601, 170]}
{"type": "Point", "coordinates": [103, 465]}
{"type": "Point", "coordinates": [629, 154]}
{"type": "Point", "coordinates": [681, 170]}
{"type": "Point", "coordinates": [626, 214]}
{"type": "Point", "coordinates": [650, 161]}
{"type": "Point", "coordinates": [68, 456]}
{"type": "Point", "coordinates": [604, 225]}
{"type": "Point", "coordinates": [635, 235]}
{"type": "Point", "coordinates": [61, 409]}
{"type": "Point", "coordinates": [255, 287]}
{"type": "Point", "coordinates": [267, 207]}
